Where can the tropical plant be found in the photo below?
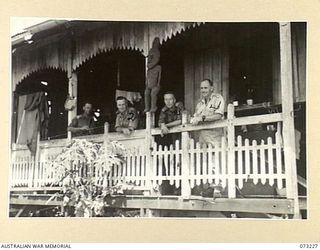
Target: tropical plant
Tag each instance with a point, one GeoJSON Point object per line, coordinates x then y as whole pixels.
{"type": "Point", "coordinates": [82, 170]}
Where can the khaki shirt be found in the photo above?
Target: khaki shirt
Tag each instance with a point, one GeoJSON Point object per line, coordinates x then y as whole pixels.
{"type": "Point", "coordinates": [80, 121]}
{"type": "Point", "coordinates": [127, 119]}
{"type": "Point", "coordinates": [215, 105]}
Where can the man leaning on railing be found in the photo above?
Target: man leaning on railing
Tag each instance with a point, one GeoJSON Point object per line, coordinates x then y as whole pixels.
{"type": "Point", "coordinates": [209, 108]}
{"type": "Point", "coordinates": [83, 124]}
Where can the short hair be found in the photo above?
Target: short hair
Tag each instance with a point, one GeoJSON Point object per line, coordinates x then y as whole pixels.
{"type": "Point", "coordinates": [87, 103]}
{"type": "Point", "coordinates": [121, 98]}
{"type": "Point", "coordinates": [169, 93]}
{"type": "Point", "coordinates": [208, 80]}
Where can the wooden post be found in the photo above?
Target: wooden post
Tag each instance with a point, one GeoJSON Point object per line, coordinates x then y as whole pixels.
{"type": "Point", "coordinates": [72, 91]}
{"type": "Point", "coordinates": [36, 162]}
{"type": "Point", "coordinates": [231, 152]}
{"type": "Point", "coordinates": [73, 81]}
{"type": "Point", "coordinates": [185, 171]}
{"type": "Point", "coordinates": [106, 133]}
{"type": "Point", "coordinates": [287, 110]}
{"type": "Point", "coordinates": [148, 151]}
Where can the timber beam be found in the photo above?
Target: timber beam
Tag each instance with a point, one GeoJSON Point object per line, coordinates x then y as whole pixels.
{"type": "Point", "coordinates": [276, 206]}
{"type": "Point", "coordinates": [193, 203]}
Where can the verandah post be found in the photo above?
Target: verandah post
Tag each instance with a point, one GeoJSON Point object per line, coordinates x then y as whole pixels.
{"type": "Point", "coordinates": [231, 152]}
{"type": "Point", "coordinates": [148, 151]}
{"type": "Point", "coordinates": [106, 133]}
{"type": "Point", "coordinates": [72, 84]}
{"type": "Point", "coordinates": [287, 110]}
{"type": "Point", "coordinates": [185, 171]}
{"type": "Point", "coordinates": [36, 163]}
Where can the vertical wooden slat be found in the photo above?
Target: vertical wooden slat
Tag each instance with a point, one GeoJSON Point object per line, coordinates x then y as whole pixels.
{"type": "Point", "coordinates": [247, 157]}
{"type": "Point", "coordinates": [198, 163]}
{"type": "Point", "coordinates": [166, 161]}
{"type": "Point", "coordinates": [240, 161]}
{"type": "Point", "coordinates": [270, 161]}
{"type": "Point", "coordinates": [254, 162]}
{"type": "Point", "coordinates": [17, 176]}
{"type": "Point", "coordinates": [231, 153]}
{"type": "Point", "coordinates": [14, 163]}
{"type": "Point", "coordinates": [160, 162]}
{"type": "Point", "coordinates": [172, 163]}
{"type": "Point", "coordinates": [143, 169]}
{"type": "Point", "coordinates": [210, 163]}
{"type": "Point", "coordinates": [263, 162]}
{"type": "Point", "coordinates": [21, 170]}
{"type": "Point", "coordinates": [204, 164]}
{"type": "Point", "coordinates": [278, 160]}
{"type": "Point", "coordinates": [139, 166]}
{"type": "Point", "coordinates": [37, 174]}
{"type": "Point", "coordinates": [223, 161]}
{"type": "Point", "coordinates": [41, 177]}
{"type": "Point", "coordinates": [154, 177]}
{"type": "Point", "coordinates": [31, 171]}
{"type": "Point", "coordinates": [185, 171]}
{"type": "Point", "coordinates": [217, 164]}
{"type": "Point", "coordinates": [192, 163]}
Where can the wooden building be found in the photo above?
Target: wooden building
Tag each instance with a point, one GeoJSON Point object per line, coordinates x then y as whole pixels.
{"type": "Point", "coordinates": [90, 60]}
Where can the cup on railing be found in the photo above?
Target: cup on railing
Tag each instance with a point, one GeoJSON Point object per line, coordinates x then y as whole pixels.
{"type": "Point", "coordinates": [249, 101]}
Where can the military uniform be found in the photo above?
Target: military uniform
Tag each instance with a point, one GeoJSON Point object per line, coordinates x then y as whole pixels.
{"type": "Point", "coordinates": [127, 119]}
{"type": "Point", "coordinates": [215, 105]}
{"type": "Point", "coordinates": [168, 115]}
{"type": "Point", "coordinates": [80, 121]}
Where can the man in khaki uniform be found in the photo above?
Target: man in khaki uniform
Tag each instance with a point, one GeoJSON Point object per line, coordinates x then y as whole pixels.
{"type": "Point", "coordinates": [127, 120]}
{"type": "Point", "coordinates": [210, 108]}
{"type": "Point", "coordinates": [83, 124]}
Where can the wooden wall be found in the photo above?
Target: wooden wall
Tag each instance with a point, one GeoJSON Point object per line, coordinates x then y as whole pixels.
{"type": "Point", "coordinates": [40, 55]}
{"type": "Point", "coordinates": [298, 42]}
{"type": "Point", "coordinates": [212, 64]}
{"type": "Point", "coordinates": [206, 56]}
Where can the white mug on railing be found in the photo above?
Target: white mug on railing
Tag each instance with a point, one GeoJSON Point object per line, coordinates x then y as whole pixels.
{"type": "Point", "coordinates": [249, 101]}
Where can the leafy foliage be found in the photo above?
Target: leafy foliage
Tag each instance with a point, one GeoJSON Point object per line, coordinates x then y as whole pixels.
{"type": "Point", "coordinates": [82, 169]}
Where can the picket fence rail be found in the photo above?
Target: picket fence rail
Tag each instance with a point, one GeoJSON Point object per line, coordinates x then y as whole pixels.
{"type": "Point", "coordinates": [185, 164]}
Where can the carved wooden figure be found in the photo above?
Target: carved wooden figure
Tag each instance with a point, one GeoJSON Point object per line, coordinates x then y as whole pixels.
{"type": "Point", "coordinates": [153, 77]}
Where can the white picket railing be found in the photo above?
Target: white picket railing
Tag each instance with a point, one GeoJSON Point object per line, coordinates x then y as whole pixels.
{"type": "Point", "coordinates": [184, 164]}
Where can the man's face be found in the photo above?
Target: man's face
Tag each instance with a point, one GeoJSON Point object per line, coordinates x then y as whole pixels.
{"type": "Point", "coordinates": [122, 105]}
{"type": "Point", "coordinates": [205, 89]}
{"type": "Point", "coordinates": [169, 100]}
{"type": "Point", "coordinates": [87, 108]}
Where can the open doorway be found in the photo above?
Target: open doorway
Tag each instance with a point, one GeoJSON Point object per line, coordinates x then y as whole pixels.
{"type": "Point", "coordinates": [251, 61]}
{"type": "Point", "coordinates": [100, 77]}
{"type": "Point", "coordinates": [54, 83]}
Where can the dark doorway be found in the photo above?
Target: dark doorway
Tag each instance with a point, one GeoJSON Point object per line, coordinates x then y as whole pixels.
{"type": "Point", "coordinates": [99, 78]}
{"type": "Point", "coordinates": [172, 63]}
{"type": "Point", "coordinates": [55, 85]}
{"type": "Point", "coordinates": [251, 61]}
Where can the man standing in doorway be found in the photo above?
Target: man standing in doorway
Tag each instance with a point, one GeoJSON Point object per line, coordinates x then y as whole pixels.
{"type": "Point", "coordinates": [127, 120]}
{"type": "Point", "coordinates": [210, 108]}
{"type": "Point", "coordinates": [170, 115]}
{"type": "Point", "coordinates": [83, 124]}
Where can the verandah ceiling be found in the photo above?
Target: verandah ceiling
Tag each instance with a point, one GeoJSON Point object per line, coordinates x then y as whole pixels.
{"type": "Point", "coordinates": [114, 35]}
